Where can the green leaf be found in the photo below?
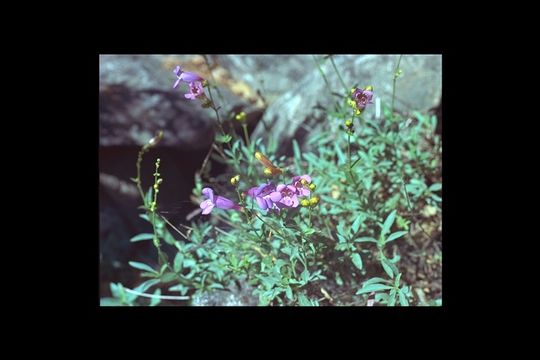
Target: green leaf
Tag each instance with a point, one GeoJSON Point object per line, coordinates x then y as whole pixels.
{"type": "Point", "coordinates": [374, 280]}
{"type": "Point", "coordinates": [356, 224]}
{"type": "Point", "coordinates": [387, 268]}
{"type": "Point", "coordinates": [396, 235]}
{"type": "Point", "coordinates": [366, 239]}
{"type": "Point", "coordinates": [305, 276]}
{"type": "Point", "coordinates": [388, 222]}
{"type": "Point", "coordinates": [303, 300]}
{"type": "Point", "coordinates": [178, 262]}
{"type": "Point", "coordinates": [141, 237]}
{"type": "Point", "coordinates": [392, 298]}
{"type": "Point", "coordinates": [223, 138]}
{"type": "Point", "coordinates": [156, 300]}
{"type": "Point", "coordinates": [357, 260]}
{"type": "Point", "coordinates": [373, 287]}
{"type": "Point", "coordinates": [141, 266]}
{"type": "Point", "coordinates": [148, 198]}
{"type": "Point", "coordinates": [109, 302]}
{"type": "Point", "coordinates": [297, 155]}
{"type": "Point", "coordinates": [146, 285]}
{"type": "Point", "coordinates": [288, 293]}
{"type": "Point", "coordinates": [435, 187]}
{"type": "Point", "coordinates": [403, 299]}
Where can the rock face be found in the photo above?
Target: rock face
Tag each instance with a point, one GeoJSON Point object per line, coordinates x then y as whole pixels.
{"type": "Point", "coordinates": [419, 88]}
{"type": "Point", "coordinates": [136, 99]}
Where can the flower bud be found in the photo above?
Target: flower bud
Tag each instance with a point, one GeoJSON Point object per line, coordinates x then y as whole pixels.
{"type": "Point", "coordinates": [235, 180]}
{"type": "Point", "coordinates": [314, 201]}
{"type": "Point", "coordinates": [304, 202]}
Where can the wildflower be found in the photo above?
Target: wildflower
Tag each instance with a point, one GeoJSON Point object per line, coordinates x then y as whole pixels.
{"type": "Point", "coordinates": [213, 201]}
{"type": "Point", "coordinates": [363, 97]}
{"type": "Point", "coordinates": [304, 202]}
{"type": "Point", "coordinates": [285, 196]}
{"type": "Point", "coordinates": [314, 201]}
{"type": "Point", "coordinates": [301, 183]}
{"type": "Point", "coordinates": [185, 76]}
{"type": "Point", "coordinates": [195, 90]}
{"type": "Point", "coordinates": [262, 193]}
{"type": "Point", "coordinates": [235, 180]}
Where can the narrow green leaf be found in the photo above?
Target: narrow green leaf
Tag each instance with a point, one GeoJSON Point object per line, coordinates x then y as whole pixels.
{"type": "Point", "coordinates": [178, 262]}
{"type": "Point", "coordinates": [403, 299]}
{"type": "Point", "coordinates": [388, 222]}
{"type": "Point", "coordinates": [357, 260]}
{"type": "Point", "coordinates": [155, 301]}
{"type": "Point", "coordinates": [396, 235]}
{"type": "Point", "coordinates": [356, 224]}
{"type": "Point", "coordinates": [387, 268]}
{"type": "Point", "coordinates": [141, 237]}
{"type": "Point", "coordinates": [288, 293]}
{"type": "Point", "coordinates": [146, 285]}
{"type": "Point", "coordinates": [373, 287]}
{"type": "Point", "coordinates": [141, 266]}
{"type": "Point", "coordinates": [435, 187]}
{"type": "Point", "coordinates": [303, 300]}
{"type": "Point", "coordinates": [374, 280]}
{"type": "Point", "coordinates": [366, 239]}
{"type": "Point", "coordinates": [297, 155]}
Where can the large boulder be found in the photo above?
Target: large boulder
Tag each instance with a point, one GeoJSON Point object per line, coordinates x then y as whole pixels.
{"type": "Point", "coordinates": [308, 99]}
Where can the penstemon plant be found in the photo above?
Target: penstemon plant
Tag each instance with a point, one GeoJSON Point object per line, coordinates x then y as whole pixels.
{"type": "Point", "coordinates": [309, 230]}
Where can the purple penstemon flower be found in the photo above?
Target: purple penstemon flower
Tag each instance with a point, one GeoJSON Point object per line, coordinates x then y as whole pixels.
{"type": "Point", "coordinates": [285, 196]}
{"type": "Point", "coordinates": [300, 182]}
{"type": "Point", "coordinates": [185, 76]}
{"type": "Point", "coordinates": [216, 201]}
{"type": "Point", "coordinates": [195, 90]}
{"type": "Point", "coordinates": [362, 97]}
{"type": "Point", "coordinates": [261, 194]}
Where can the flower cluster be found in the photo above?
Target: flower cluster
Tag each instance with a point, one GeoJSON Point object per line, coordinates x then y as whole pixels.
{"type": "Point", "coordinates": [195, 85]}
{"type": "Point", "coordinates": [360, 98]}
{"type": "Point", "coordinates": [268, 196]}
{"type": "Point", "coordinates": [277, 197]}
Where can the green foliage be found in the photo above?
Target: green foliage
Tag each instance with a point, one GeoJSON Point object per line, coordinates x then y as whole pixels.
{"type": "Point", "coordinates": [371, 186]}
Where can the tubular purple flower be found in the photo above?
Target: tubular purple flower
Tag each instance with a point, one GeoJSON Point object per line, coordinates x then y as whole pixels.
{"type": "Point", "coordinates": [285, 196]}
{"type": "Point", "coordinates": [216, 201]}
{"type": "Point", "coordinates": [185, 76]}
{"type": "Point", "coordinates": [362, 97]}
{"type": "Point", "coordinates": [262, 194]}
{"type": "Point", "coordinates": [300, 182]}
{"type": "Point", "coordinates": [195, 90]}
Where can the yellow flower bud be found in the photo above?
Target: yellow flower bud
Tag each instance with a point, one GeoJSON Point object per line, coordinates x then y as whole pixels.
{"type": "Point", "coordinates": [312, 186]}
{"type": "Point", "coordinates": [267, 171]}
{"type": "Point", "coordinates": [369, 88]}
{"type": "Point", "coordinates": [314, 201]}
{"type": "Point", "coordinates": [235, 180]}
{"type": "Point", "coordinates": [348, 123]}
{"type": "Point", "coordinates": [304, 202]}
{"type": "Point", "coordinates": [241, 116]}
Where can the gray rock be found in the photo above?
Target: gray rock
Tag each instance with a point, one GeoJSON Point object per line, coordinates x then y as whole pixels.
{"type": "Point", "coordinates": [233, 296]}
{"type": "Point", "coordinates": [419, 88]}
{"type": "Point", "coordinates": [137, 100]}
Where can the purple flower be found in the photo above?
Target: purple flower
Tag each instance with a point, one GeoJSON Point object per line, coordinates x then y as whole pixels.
{"type": "Point", "coordinates": [262, 194]}
{"type": "Point", "coordinates": [219, 201]}
{"type": "Point", "coordinates": [285, 196]}
{"type": "Point", "coordinates": [300, 183]}
{"type": "Point", "coordinates": [195, 90]}
{"type": "Point", "coordinates": [185, 76]}
{"type": "Point", "coordinates": [362, 98]}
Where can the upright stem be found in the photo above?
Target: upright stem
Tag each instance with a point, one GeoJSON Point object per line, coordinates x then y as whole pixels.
{"type": "Point", "coordinates": [338, 74]}
{"type": "Point", "coordinates": [394, 86]}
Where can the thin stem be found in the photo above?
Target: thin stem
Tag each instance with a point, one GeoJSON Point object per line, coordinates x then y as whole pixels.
{"type": "Point", "coordinates": [338, 74]}
{"type": "Point", "coordinates": [138, 179]}
{"type": "Point", "coordinates": [322, 72]}
{"type": "Point", "coordinates": [163, 297]}
{"type": "Point", "coordinates": [394, 86]}
{"type": "Point", "coordinates": [246, 135]}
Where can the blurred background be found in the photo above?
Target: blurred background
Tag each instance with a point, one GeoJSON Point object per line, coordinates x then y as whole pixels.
{"type": "Point", "coordinates": [279, 93]}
